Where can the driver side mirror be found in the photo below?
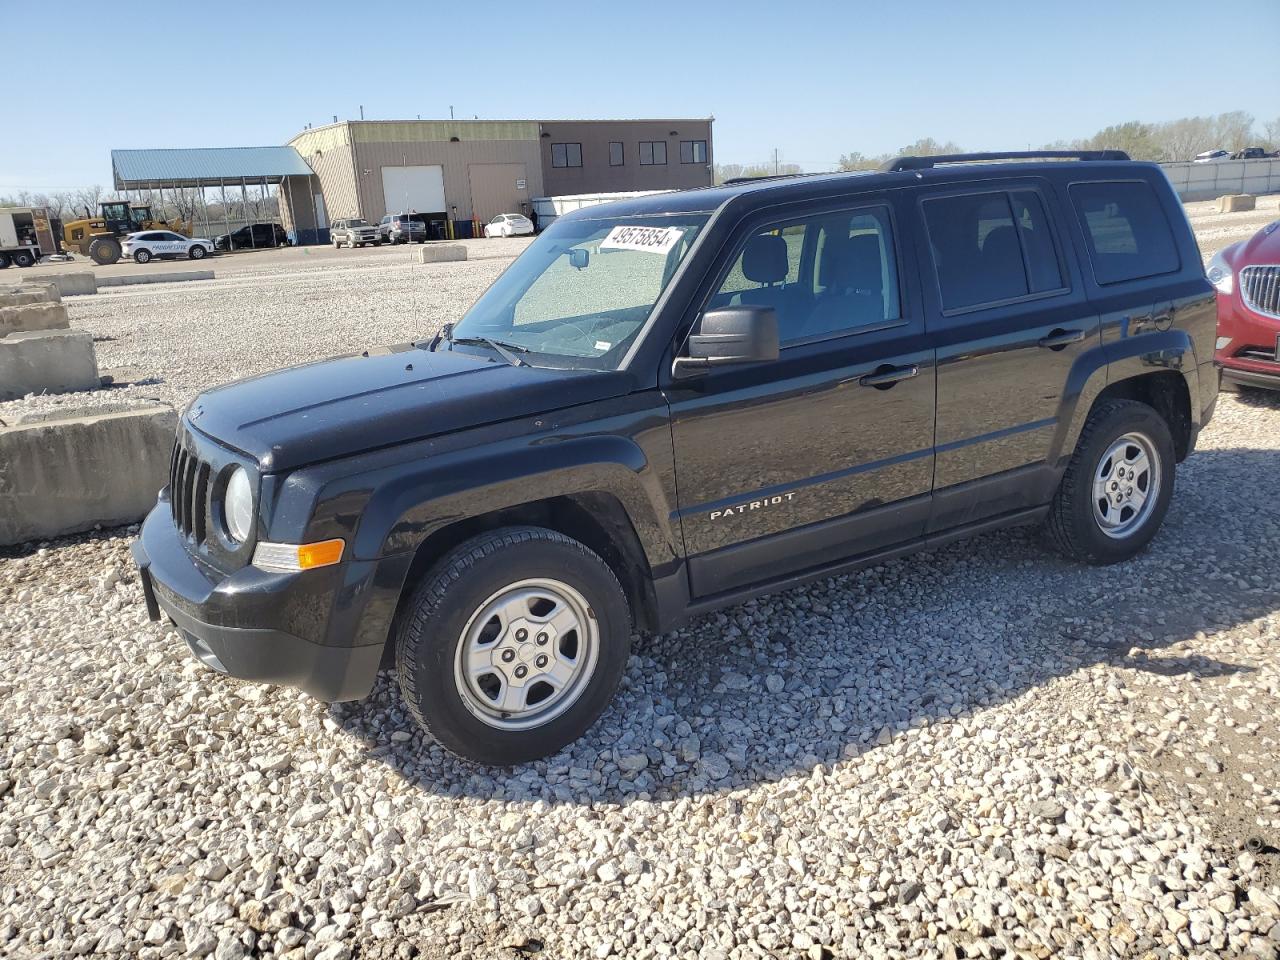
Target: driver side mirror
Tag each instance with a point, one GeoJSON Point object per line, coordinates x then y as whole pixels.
{"type": "Point", "coordinates": [741, 334]}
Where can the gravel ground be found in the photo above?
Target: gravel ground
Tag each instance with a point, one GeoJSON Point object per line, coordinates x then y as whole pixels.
{"type": "Point", "coordinates": [982, 751]}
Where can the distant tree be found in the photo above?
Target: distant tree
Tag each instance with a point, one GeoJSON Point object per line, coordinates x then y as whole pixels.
{"type": "Point", "coordinates": [733, 171]}
{"type": "Point", "coordinates": [1272, 132]}
{"type": "Point", "coordinates": [1135, 138]}
{"type": "Point", "coordinates": [1234, 130]}
{"type": "Point", "coordinates": [929, 147]}
{"type": "Point", "coordinates": [1182, 139]}
{"type": "Point", "coordinates": [859, 161]}
{"type": "Point", "coordinates": [88, 198]}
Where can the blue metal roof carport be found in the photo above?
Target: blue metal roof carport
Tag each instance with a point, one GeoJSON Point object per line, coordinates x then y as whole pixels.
{"type": "Point", "coordinates": [203, 167]}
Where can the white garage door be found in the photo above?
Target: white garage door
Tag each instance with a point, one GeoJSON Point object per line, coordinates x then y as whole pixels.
{"type": "Point", "coordinates": [413, 189]}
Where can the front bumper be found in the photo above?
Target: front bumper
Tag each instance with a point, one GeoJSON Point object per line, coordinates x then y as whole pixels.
{"type": "Point", "coordinates": [1252, 355]}
{"type": "Point", "coordinates": [248, 624]}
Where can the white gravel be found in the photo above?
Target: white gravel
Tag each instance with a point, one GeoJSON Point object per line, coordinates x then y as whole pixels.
{"type": "Point", "coordinates": [982, 752]}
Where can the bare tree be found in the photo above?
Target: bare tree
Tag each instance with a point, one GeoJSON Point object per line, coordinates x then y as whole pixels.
{"type": "Point", "coordinates": [1272, 132]}
{"type": "Point", "coordinates": [88, 198]}
{"type": "Point", "coordinates": [1234, 130]}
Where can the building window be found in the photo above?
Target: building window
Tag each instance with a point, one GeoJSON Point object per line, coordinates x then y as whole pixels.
{"type": "Point", "coordinates": [566, 154]}
{"type": "Point", "coordinates": [616, 158]}
{"type": "Point", "coordinates": [693, 151]}
{"type": "Point", "coordinates": [653, 152]}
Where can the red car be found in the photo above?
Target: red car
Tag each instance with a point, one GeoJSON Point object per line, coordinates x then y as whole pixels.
{"type": "Point", "coordinates": [1247, 275]}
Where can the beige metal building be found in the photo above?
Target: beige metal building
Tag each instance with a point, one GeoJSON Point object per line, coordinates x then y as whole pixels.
{"type": "Point", "coordinates": [473, 170]}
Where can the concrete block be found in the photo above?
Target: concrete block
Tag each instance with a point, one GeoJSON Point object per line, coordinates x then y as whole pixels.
{"type": "Point", "coordinates": [129, 279]}
{"type": "Point", "coordinates": [46, 361]}
{"type": "Point", "coordinates": [68, 284]}
{"type": "Point", "coordinates": [32, 316]}
{"type": "Point", "coordinates": [31, 293]}
{"type": "Point", "coordinates": [78, 469]}
{"type": "Point", "coordinates": [1237, 202]}
{"type": "Point", "coordinates": [441, 252]}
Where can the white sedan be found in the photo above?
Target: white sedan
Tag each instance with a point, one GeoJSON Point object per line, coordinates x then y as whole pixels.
{"type": "Point", "coordinates": [151, 244]}
{"type": "Point", "coordinates": [509, 225]}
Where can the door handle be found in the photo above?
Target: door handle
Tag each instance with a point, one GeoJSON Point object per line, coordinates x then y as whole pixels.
{"type": "Point", "coordinates": [885, 377]}
{"type": "Point", "coordinates": [1061, 338]}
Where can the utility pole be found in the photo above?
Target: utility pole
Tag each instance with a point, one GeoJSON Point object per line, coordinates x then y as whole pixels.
{"type": "Point", "coordinates": [451, 111]}
{"type": "Point", "coordinates": [362, 111]}
{"type": "Point", "coordinates": [775, 161]}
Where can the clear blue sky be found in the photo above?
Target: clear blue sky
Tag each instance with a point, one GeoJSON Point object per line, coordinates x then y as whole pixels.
{"type": "Point", "coordinates": [814, 80]}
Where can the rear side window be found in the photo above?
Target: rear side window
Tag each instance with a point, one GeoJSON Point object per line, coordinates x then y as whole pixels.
{"type": "Point", "coordinates": [1127, 232]}
{"type": "Point", "coordinates": [992, 247]}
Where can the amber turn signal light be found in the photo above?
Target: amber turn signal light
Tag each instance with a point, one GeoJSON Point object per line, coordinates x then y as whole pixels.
{"type": "Point", "coordinates": [292, 557]}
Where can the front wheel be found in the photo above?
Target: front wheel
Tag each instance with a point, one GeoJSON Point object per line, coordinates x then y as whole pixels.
{"type": "Point", "coordinates": [1117, 487]}
{"type": "Point", "coordinates": [513, 645]}
{"type": "Point", "coordinates": [142, 256]}
{"type": "Point", "coordinates": [197, 252]}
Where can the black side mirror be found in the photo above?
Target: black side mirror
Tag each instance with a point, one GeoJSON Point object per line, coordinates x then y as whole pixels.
{"type": "Point", "coordinates": [742, 334]}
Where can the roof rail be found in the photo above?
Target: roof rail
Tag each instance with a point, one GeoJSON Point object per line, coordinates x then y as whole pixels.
{"type": "Point", "coordinates": [736, 181]}
{"type": "Point", "coordinates": [898, 164]}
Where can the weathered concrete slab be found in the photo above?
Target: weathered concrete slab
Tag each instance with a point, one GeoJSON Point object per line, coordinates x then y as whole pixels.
{"type": "Point", "coordinates": [1237, 203]}
{"type": "Point", "coordinates": [82, 469]}
{"type": "Point", "coordinates": [33, 316]}
{"type": "Point", "coordinates": [441, 252]}
{"type": "Point", "coordinates": [171, 277]}
{"type": "Point", "coordinates": [68, 284]}
{"type": "Point", "coordinates": [29, 293]}
{"type": "Point", "coordinates": [46, 361]}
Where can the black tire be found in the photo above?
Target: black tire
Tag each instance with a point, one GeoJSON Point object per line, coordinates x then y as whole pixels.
{"type": "Point", "coordinates": [104, 251]}
{"type": "Point", "coordinates": [142, 256]}
{"type": "Point", "coordinates": [23, 259]}
{"type": "Point", "coordinates": [1072, 526]}
{"type": "Point", "coordinates": [197, 252]}
{"type": "Point", "coordinates": [4, 260]}
{"type": "Point", "coordinates": [432, 630]}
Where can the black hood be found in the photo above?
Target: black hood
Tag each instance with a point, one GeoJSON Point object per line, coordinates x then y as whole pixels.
{"type": "Point", "coordinates": [344, 406]}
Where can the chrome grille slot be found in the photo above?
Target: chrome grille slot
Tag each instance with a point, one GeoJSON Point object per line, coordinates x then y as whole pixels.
{"type": "Point", "coordinates": [1260, 289]}
{"type": "Point", "coordinates": [189, 479]}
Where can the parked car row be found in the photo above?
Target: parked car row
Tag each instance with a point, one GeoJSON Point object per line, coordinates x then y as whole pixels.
{"type": "Point", "coordinates": [1248, 153]}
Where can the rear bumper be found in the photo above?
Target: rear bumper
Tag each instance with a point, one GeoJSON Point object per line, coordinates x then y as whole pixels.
{"type": "Point", "coordinates": [246, 625]}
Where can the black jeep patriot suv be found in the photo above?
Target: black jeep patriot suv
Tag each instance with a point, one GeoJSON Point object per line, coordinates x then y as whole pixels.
{"type": "Point", "coordinates": [680, 401]}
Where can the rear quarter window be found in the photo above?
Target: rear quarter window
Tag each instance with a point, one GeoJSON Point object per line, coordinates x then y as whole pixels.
{"type": "Point", "coordinates": [1127, 232]}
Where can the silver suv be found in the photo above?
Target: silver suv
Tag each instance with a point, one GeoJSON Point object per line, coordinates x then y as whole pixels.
{"type": "Point", "coordinates": [354, 233]}
{"type": "Point", "coordinates": [403, 227]}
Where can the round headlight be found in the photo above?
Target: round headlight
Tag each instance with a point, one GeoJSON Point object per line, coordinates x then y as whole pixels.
{"type": "Point", "coordinates": [1220, 273]}
{"type": "Point", "coordinates": [237, 506]}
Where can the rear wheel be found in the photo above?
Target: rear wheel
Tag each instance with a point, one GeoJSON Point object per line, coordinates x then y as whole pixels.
{"type": "Point", "coordinates": [1117, 487]}
{"type": "Point", "coordinates": [513, 645]}
{"type": "Point", "coordinates": [22, 258]}
{"type": "Point", "coordinates": [4, 260]}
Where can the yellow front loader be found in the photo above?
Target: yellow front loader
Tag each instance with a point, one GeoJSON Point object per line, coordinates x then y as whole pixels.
{"type": "Point", "coordinates": [99, 237]}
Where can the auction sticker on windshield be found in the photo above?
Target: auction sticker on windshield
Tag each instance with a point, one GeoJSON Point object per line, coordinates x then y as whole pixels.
{"type": "Point", "coordinates": [648, 239]}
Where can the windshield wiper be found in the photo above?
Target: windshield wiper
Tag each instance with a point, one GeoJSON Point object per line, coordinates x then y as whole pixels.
{"type": "Point", "coordinates": [498, 346]}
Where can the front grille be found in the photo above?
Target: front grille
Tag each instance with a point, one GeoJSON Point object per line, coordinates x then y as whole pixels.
{"type": "Point", "coordinates": [1260, 288]}
{"type": "Point", "coordinates": [189, 492]}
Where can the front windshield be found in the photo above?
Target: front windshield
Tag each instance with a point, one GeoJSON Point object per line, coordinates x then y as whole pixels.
{"type": "Point", "coordinates": [583, 290]}
{"type": "Point", "coordinates": [356, 223]}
